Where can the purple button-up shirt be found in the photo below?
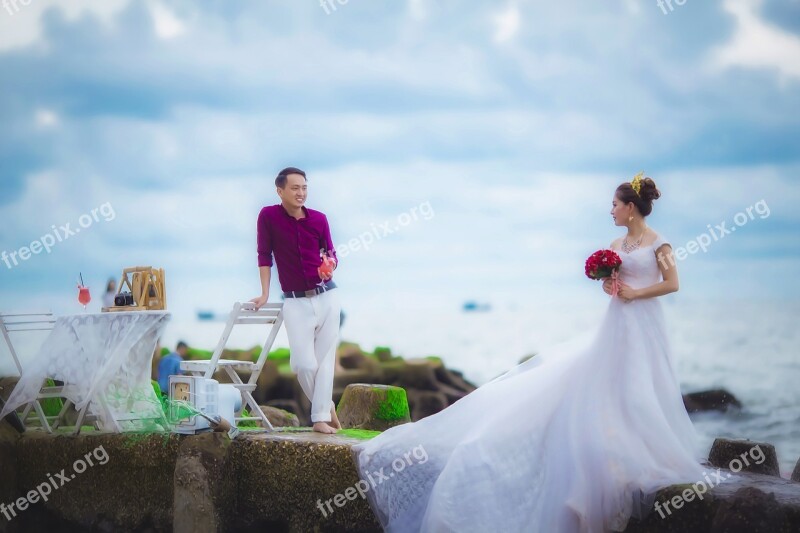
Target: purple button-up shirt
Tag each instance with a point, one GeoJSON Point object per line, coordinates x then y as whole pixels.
{"type": "Point", "coordinates": [295, 245]}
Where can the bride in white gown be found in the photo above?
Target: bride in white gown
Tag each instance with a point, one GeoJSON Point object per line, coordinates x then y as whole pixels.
{"type": "Point", "coordinates": [577, 438]}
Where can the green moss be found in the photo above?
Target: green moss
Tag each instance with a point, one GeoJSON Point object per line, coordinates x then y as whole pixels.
{"type": "Point", "coordinates": [191, 353]}
{"type": "Point", "coordinates": [134, 438]}
{"type": "Point", "coordinates": [280, 354]}
{"type": "Point", "coordinates": [247, 423]}
{"type": "Point", "coordinates": [381, 353]}
{"type": "Point", "coordinates": [434, 358]}
{"type": "Point", "coordinates": [364, 434]}
{"type": "Point", "coordinates": [394, 406]}
{"type": "Point", "coordinates": [195, 354]}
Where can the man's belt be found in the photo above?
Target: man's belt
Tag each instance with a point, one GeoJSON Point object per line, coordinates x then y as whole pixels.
{"type": "Point", "coordinates": [328, 285]}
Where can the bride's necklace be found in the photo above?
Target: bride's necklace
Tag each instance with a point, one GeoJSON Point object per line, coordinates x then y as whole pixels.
{"type": "Point", "coordinates": [630, 247]}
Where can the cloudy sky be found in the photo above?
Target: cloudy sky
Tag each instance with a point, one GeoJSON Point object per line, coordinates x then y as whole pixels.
{"type": "Point", "coordinates": [478, 143]}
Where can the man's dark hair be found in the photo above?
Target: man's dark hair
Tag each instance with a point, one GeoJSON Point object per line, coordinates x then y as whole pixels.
{"type": "Point", "coordinates": [280, 181]}
{"type": "Point", "coordinates": [181, 345]}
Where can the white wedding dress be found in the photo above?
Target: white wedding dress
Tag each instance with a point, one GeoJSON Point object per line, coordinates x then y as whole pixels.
{"type": "Point", "coordinates": [574, 439]}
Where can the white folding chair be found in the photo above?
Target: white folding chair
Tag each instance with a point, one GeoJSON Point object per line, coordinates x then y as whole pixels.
{"type": "Point", "coordinates": [242, 313]}
{"type": "Point", "coordinates": [19, 322]}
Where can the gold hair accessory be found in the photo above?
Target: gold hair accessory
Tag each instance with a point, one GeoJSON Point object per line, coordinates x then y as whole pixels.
{"type": "Point", "coordinates": [636, 182]}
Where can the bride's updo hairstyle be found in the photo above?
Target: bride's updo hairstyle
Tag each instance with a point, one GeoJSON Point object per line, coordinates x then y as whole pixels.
{"type": "Point", "coordinates": [642, 192]}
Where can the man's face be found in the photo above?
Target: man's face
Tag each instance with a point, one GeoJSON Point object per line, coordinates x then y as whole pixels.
{"type": "Point", "coordinates": [295, 192]}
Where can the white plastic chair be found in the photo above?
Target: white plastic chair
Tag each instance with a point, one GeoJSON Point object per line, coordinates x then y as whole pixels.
{"type": "Point", "coordinates": [242, 313]}
{"type": "Point", "coordinates": [19, 322]}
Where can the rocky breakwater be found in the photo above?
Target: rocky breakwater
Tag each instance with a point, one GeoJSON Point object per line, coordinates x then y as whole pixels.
{"type": "Point", "coordinates": [429, 385]}
{"type": "Point", "coordinates": [297, 481]}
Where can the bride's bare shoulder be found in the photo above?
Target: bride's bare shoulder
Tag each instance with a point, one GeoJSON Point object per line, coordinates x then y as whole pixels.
{"type": "Point", "coordinates": [616, 244]}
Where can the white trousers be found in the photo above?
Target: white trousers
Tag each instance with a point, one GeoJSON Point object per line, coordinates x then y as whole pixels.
{"type": "Point", "coordinates": [312, 325]}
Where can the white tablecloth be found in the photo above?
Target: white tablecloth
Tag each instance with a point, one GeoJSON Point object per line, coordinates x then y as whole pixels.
{"type": "Point", "coordinates": [103, 356]}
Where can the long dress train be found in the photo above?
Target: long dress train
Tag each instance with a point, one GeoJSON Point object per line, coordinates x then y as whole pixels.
{"type": "Point", "coordinates": [575, 439]}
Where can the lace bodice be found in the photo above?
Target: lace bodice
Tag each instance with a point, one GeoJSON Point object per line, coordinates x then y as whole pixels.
{"type": "Point", "coordinates": [640, 268]}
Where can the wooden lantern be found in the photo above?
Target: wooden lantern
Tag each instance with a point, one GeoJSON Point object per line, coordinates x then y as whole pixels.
{"type": "Point", "coordinates": [146, 285]}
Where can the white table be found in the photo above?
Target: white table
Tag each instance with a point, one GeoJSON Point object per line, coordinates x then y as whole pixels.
{"type": "Point", "coordinates": [105, 361]}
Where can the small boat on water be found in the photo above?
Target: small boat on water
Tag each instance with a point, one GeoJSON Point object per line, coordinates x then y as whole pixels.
{"type": "Point", "coordinates": [476, 307]}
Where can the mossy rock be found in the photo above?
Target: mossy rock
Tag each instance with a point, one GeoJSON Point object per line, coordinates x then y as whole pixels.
{"type": "Point", "coordinates": [383, 353]}
{"type": "Point", "coordinates": [279, 355]}
{"type": "Point", "coordinates": [744, 455]}
{"type": "Point", "coordinates": [418, 374]}
{"type": "Point", "coordinates": [374, 407]}
{"type": "Point", "coordinates": [194, 354]}
{"type": "Point", "coordinates": [279, 417]}
{"type": "Point", "coordinates": [345, 345]}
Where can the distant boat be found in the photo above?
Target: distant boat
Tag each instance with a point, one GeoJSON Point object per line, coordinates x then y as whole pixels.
{"type": "Point", "coordinates": [206, 315]}
{"type": "Point", "coordinates": [476, 307]}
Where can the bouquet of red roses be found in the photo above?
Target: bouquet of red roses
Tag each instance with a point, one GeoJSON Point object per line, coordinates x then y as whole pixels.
{"type": "Point", "coordinates": [604, 264]}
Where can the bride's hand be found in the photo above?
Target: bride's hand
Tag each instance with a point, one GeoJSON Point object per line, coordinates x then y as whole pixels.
{"type": "Point", "coordinates": [607, 285]}
{"type": "Point", "coordinates": [626, 293]}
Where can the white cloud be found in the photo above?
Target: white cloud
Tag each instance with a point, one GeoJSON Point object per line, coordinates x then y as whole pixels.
{"type": "Point", "coordinates": [506, 24]}
{"type": "Point", "coordinates": [46, 118]}
{"type": "Point", "coordinates": [22, 26]}
{"type": "Point", "coordinates": [417, 9]}
{"type": "Point", "coordinates": [757, 44]}
{"type": "Point", "coordinates": [633, 6]}
{"type": "Point", "coordinates": [167, 25]}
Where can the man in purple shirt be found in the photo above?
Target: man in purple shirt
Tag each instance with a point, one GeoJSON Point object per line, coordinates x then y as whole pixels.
{"type": "Point", "coordinates": [298, 238]}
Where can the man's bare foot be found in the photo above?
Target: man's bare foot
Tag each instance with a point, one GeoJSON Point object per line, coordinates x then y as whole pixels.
{"type": "Point", "coordinates": [323, 427]}
{"type": "Point", "coordinates": [335, 419]}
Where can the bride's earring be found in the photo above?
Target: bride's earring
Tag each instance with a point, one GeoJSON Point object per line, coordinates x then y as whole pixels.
{"type": "Point", "coordinates": [630, 219]}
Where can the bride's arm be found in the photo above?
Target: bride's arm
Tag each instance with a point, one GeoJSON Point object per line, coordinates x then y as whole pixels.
{"type": "Point", "coordinates": [669, 273]}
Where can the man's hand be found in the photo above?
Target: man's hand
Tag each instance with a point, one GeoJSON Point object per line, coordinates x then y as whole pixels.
{"type": "Point", "coordinates": [260, 301]}
{"type": "Point", "coordinates": [325, 270]}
